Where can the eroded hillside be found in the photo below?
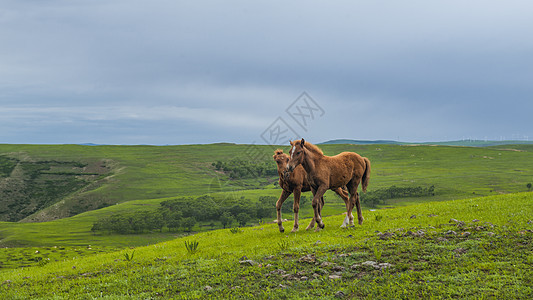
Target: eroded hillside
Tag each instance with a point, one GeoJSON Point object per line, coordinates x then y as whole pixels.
{"type": "Point", "coordinates": [28, 186]}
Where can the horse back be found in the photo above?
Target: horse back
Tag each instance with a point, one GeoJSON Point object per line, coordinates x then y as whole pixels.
{"type": "Point", "coordinates": [343, 167]}
{"type": "Point", "coordinates": [346, 161]}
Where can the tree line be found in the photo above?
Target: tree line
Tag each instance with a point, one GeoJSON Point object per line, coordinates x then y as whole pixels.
{"type": "Point", "coordinates": [182, 214]}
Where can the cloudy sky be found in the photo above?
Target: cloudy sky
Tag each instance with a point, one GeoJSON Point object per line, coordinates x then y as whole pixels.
{"type": "Point", "coordinates": [182, 72]}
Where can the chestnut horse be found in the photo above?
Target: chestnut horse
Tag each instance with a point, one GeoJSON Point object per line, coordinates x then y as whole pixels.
{"type": "Point", "coordinates": [330, 172]}
{"type": "Point", "coordinates": [296, 183]}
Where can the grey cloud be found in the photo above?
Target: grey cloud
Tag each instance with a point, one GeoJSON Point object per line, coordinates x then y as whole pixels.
{"type": "Point", "coordinates": [414, 69]}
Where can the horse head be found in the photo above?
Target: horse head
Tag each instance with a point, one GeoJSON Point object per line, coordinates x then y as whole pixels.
{"type": "Point", "coordinates": [297, 154]}
{"type": "Point", "coordinates": [281, 158]}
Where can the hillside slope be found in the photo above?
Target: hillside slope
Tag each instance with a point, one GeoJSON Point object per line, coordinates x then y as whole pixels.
{"type": "Point", "coordinates": [472, 248]}
{"type": "Point", "coordinates": [27, 186]}
{"type": "Point", "coordinates": [125, 173]}
{"type": "Point", "coordinates": [92, 177]}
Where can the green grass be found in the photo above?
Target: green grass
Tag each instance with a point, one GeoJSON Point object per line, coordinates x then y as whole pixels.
{"type": "Point", "coordinates": [488, 257]}
{"type": "Point", "coordinates": [152, 172]}
{"type": "Point", "coordinates": [11, 258]}
{"type": "Point", "coordinates": [143, 176]}
{"type": "Point", "coordinates": [76, 231]}
{"type": "Point", "coordinates": [139, 172]}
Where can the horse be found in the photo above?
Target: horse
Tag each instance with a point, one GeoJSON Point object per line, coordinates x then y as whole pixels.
{"type": "Point", "coordinates": [329, 172]}
{"type": "Point", "coordinates": [295, 183]}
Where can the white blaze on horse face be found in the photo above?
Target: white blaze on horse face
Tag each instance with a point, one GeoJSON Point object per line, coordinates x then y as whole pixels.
{"type": "Point", "coordinates": [292, 151]}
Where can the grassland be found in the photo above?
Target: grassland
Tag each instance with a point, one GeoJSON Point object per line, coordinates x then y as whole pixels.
{"type": "Point", "coordinates": [473, 248]}
{"type": "Point", "coordinates": [140, 177]}
{"type": "Point", "coordinates": [454, 244]}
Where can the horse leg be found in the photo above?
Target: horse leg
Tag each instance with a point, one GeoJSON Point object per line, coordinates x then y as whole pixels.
{"type": "Point", "coordinates": [352, 188]}
{"type": "Point", "coordinates": [317, 207]}
{"type": "Point", "coordinates": [321, 206]}
{"type": "Point", "coordinates": [296, 207]}
{"type": "Point", "coordinates": [357, 202]}
{"type": "Point", "coordinates": [346, 199]}
{"type": "Point", "coordinates": [358, 206]}
{"type": "Point", "coordinates": [312, 223]}
{"type": "Point", "coordinates": [284, 195]}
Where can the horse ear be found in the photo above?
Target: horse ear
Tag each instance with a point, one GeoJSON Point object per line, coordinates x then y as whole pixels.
{"type": "Point", "coordinates": [302, 142]}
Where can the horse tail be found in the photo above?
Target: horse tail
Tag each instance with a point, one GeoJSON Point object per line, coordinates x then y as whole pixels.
{"type": "Point", "coordinates": [366, 174]}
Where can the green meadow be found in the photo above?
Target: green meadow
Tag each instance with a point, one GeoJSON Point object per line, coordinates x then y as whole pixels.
{"type": "Point", "coordinates": [473, 248]}
{"type": "Point", "coordinates": [140, 177]}
{"type": "Point", "coordinates": [481, 194]}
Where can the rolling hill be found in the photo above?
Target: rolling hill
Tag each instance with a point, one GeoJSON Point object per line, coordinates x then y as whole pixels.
{"type": "Point", "coordinates": [47, 182]}
{"type": "Point", "coordinates": [472, 248]}
{"type": "Point", "coordinates": [139, 178]}
{"type": "Point", "coordinates": [469, 238]}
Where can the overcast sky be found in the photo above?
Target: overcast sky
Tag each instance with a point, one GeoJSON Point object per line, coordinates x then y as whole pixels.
{"type": "Point", "coordinates": [182, 72]}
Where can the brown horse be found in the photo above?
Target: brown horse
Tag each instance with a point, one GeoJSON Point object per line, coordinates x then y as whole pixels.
{"type": "Point", "coordinates": [296, 183]}
{"type": "Point", "coordinates": [330, 172]}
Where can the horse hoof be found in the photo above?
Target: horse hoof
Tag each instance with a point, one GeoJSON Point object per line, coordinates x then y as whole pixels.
{"type": "Point", "coordinates": [294, 230]}
{"type": "Point", "coordinates": [282, 230]}
{"type": "Point", "coordinates": [321, 226]}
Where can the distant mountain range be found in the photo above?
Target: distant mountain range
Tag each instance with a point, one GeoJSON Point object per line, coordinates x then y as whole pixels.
{"type": "Point", "coordinates": [468, 143]}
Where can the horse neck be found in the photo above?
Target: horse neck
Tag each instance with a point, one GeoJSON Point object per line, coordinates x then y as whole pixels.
{"type": "Point", "coordinates": [281, 169]}
{"type": "Point", "coordinates": [309, 161]}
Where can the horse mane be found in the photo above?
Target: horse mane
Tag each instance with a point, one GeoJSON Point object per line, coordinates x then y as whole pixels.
{"type": "Point", "coordinates": [313, 148]}
{"type": "Point", "coordinates": [278, 152]}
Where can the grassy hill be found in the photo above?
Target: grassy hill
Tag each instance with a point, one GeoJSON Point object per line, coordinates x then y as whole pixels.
{"type": "Point", "coordinates": [27, 186]}
{"type": "Point", "coordinates": [134, 172]}
{"type": "Point", "coordinates": [431, 246]}
{"type": "Point", "coordinates": [124, 173]}
{"type": "Point", "coordinates": [135, 178]}
{"type": "Point", "coordinates": [472, 248]}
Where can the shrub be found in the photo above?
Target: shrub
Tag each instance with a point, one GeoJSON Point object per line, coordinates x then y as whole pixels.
{"type": "Point", "coordinates": [191, 247]}
{"type": "Point", "coordinates": [129, 257]}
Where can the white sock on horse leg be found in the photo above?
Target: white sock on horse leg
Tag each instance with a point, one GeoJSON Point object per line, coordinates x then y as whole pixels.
{"type": "Point", "coordinates": [345, 222]}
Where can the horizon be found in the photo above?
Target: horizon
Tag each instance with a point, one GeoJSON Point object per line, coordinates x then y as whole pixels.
{"type": "Point", "coordinates": [376, 141]}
